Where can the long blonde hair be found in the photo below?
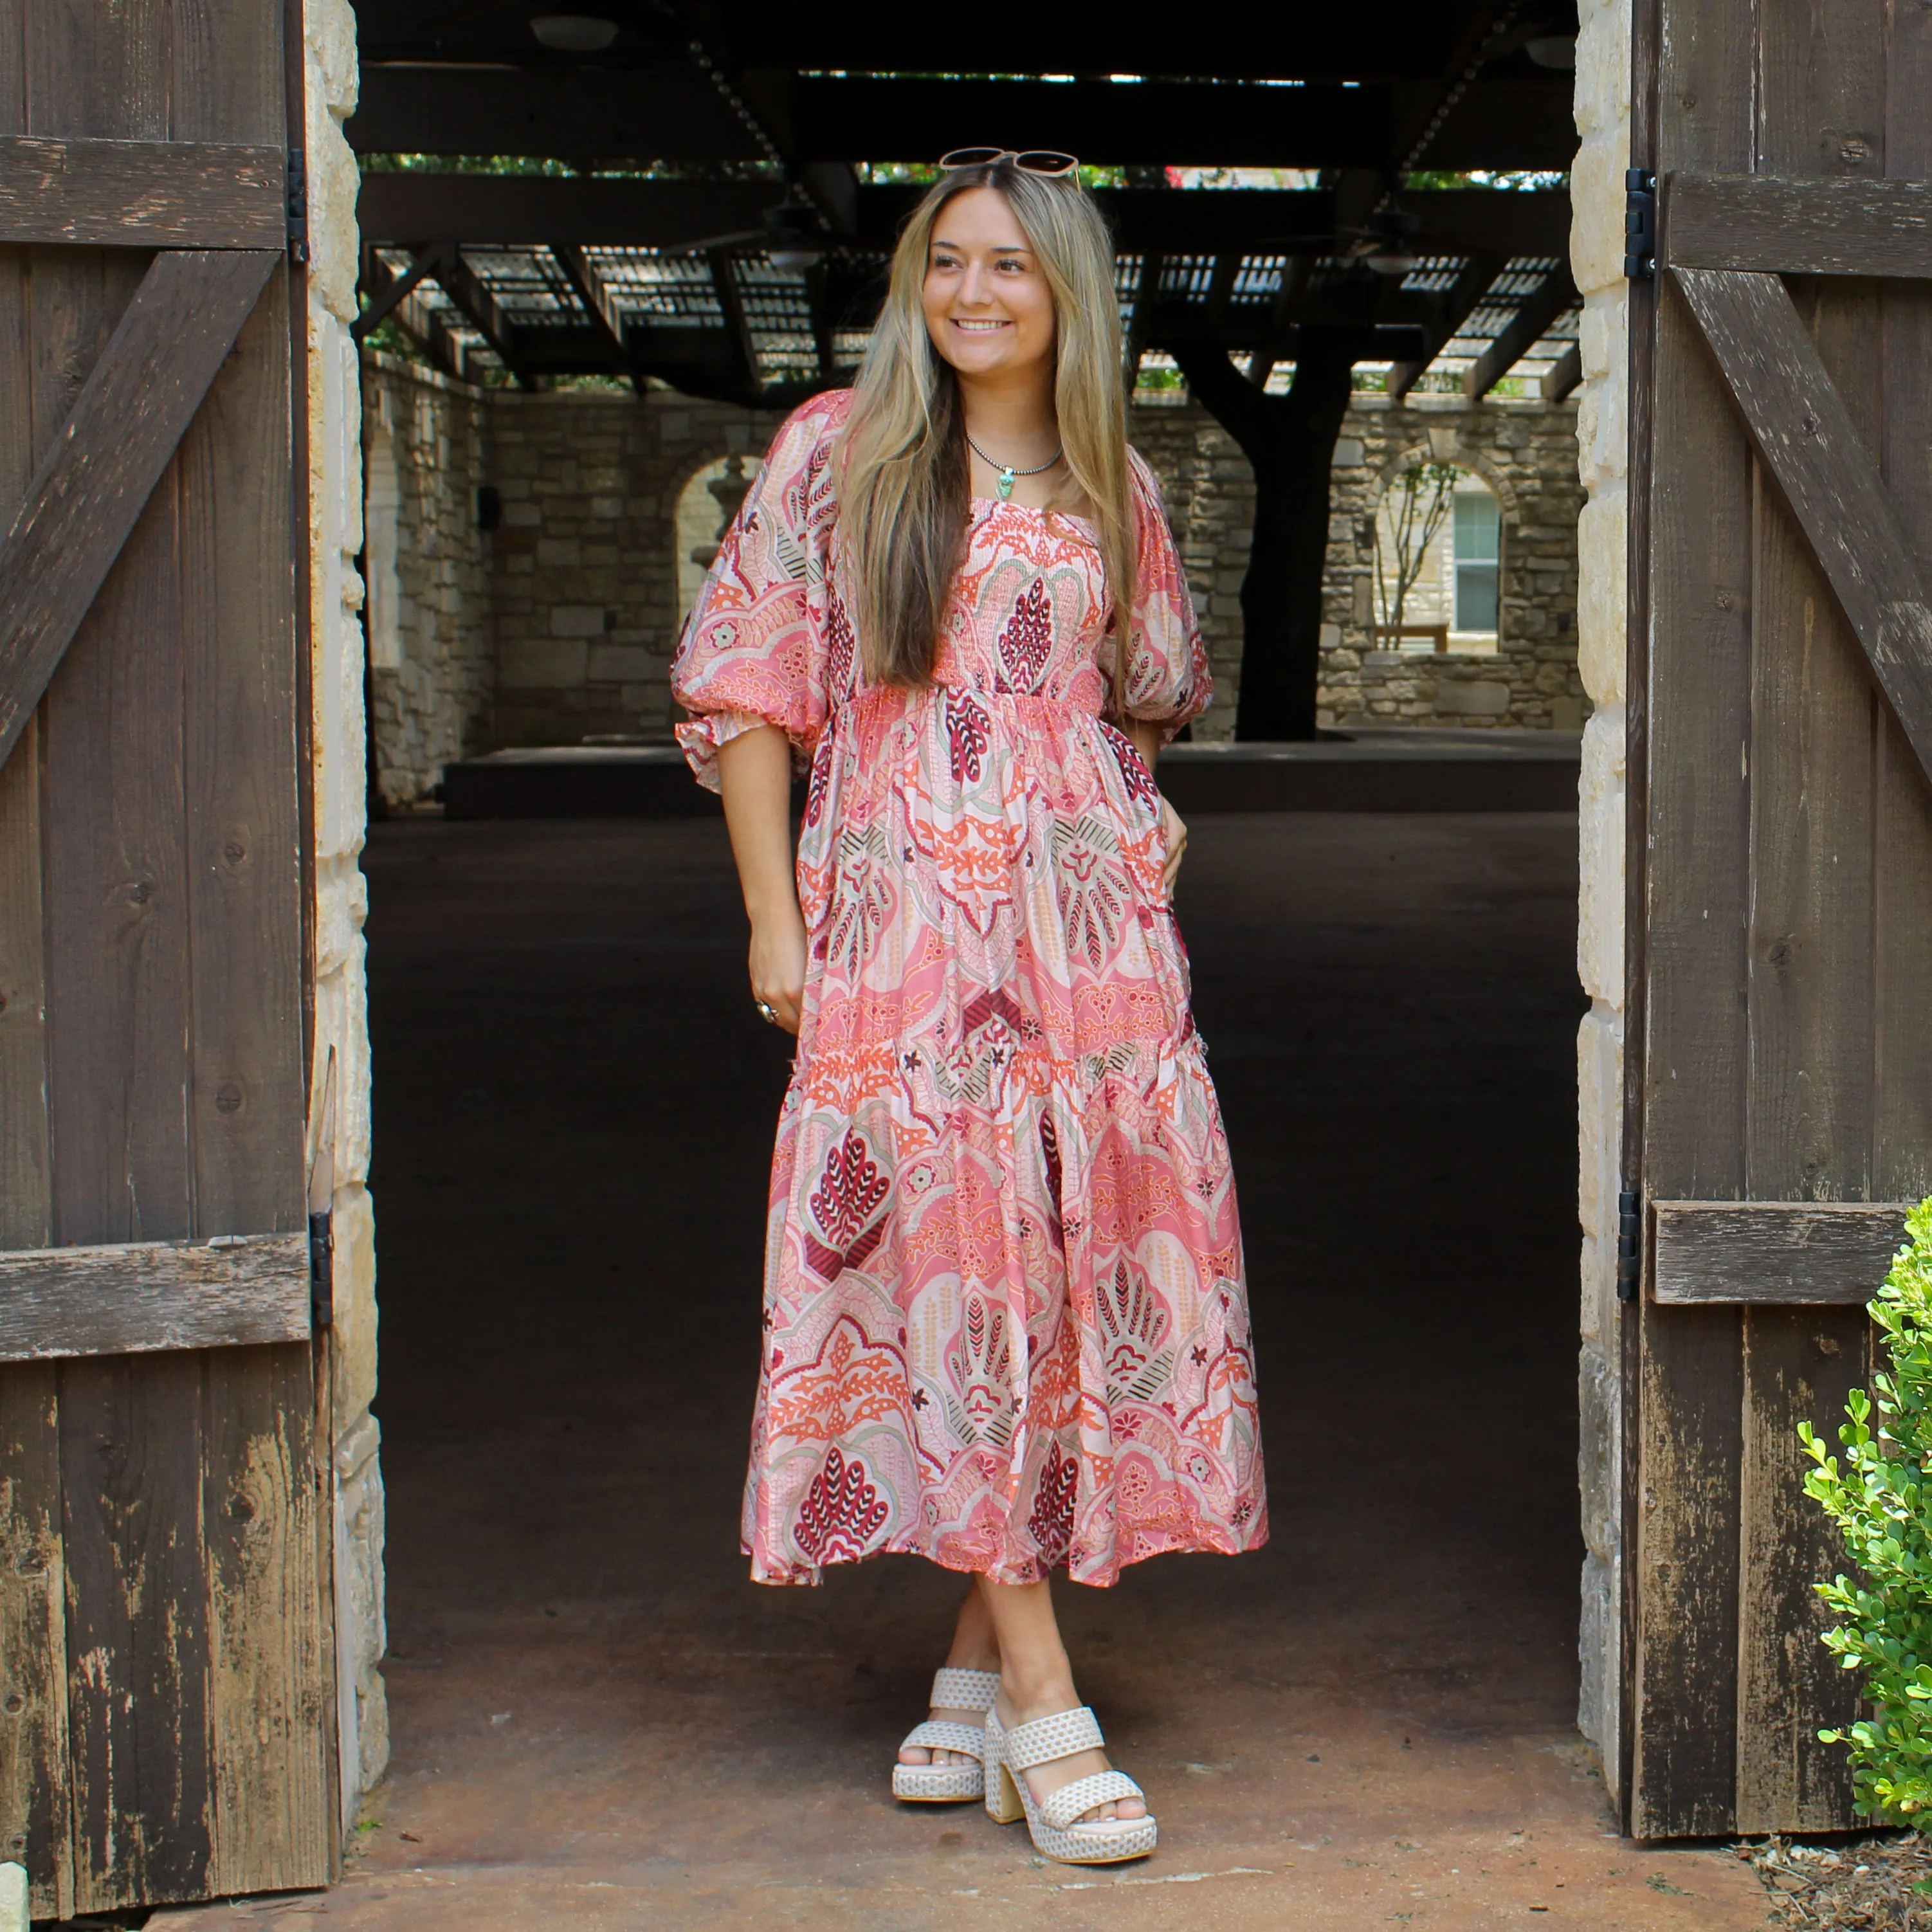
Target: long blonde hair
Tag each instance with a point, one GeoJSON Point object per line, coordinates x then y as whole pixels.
{"type": "Point", "coordinates": [903, 490]}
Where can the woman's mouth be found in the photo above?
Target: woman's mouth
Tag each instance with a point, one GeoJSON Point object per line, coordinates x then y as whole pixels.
{"type": "Point", "coordinates": [978, 327]}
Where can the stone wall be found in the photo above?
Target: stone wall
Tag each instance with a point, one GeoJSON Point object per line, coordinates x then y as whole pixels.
{"type": "Point", "coordinates": [341, 1042]}
{"type": "Point", "coordinates": [433, 673]}
{"type": "Point", "coordinates": [1603, 106]}
{"type": "Point", "coordinates": [1527, 454]}
{"type": "Point", "coordinates": [584, 585]}
{"type": "Point", "coordinates": [601, 495]}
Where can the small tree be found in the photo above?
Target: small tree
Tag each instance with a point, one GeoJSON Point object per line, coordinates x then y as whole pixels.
{"type": "Point", "coordinates": [1410, 518]}
{"type": "Point", "coordinates": [1881, 1501]}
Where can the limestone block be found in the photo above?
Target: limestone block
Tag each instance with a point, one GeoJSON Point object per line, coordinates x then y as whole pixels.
{"type": "Point", "coordinates": [1596, 204]}
{"type": "Point", "coordinates": [1603, 85]}
{"type": "Point", "coordinates": [1602, 540]}
{"type": "Point", "coordinates": [1600, 923]}
{"type": "Point", "coordinates": [361, 1635]}
{"type": "Point", "coordinates": [613, 663]}
{"type": "Point", "coordinates": [13, 1898]}
{"type": "Point", "coordinates": [1599, 1645]}
{"type": "Point", "coordinates": [1350, 453]}
{"type": "Point", "coordinates": [1474, 697]}
{"type": "Point", "coordinates": [537, 664]}
{"type": "Point", "coordinates": [354, 1341]}
{"type": "Point", "coordinates": [1599, 1073]}
{"type": "Point", "coordinates": [560, 552]}
{"type": "Point", "coordinates": [609, 508]}
{"type": "Point", "coordinates": [577, 620]}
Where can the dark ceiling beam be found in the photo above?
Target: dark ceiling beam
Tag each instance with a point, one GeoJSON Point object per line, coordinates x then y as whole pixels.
{"type": "Point", "coordinates": [532, 210]}
{"type": "Point", "coordinates": [1563, 375]}
{"type": "Point", "coordinates": [677, 115]}
{"type": "Point", "coordinates": [737, 325]}
{"type": "Point", "coordinates": [1453, 308]}
{"type": "Point", "coordinates": [1525, 329]}
{"type": "Point", "coordinates": [581, 273]}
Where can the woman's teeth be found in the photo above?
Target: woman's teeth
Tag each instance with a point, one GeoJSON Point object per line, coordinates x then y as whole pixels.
{"type": "Point", "coordinates": [977, 327]}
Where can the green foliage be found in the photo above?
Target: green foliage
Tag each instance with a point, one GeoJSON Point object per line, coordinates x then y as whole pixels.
{"type": "Point", "coordinates": [1527, 179]}
{"type": "Point", "coordinates": [1881, 1500]}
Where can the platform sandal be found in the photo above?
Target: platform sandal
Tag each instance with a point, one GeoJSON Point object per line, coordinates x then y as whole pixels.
{"type": "Point", "coordinates": [948, 1783]}
{"type": "Point", "coordinates": [1103, 1841]}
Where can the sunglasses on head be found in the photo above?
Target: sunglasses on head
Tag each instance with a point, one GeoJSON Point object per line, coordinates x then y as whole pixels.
{"type": "Point", "coordinates": [1033, 161]}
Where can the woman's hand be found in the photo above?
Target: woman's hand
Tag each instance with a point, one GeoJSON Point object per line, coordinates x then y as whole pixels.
{"type": "Point", "coordinates": [778, 967]}
{"type": "Point", "coordinates": [1175, 828]}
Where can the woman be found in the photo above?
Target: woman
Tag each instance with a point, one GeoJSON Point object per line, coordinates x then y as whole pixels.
{"type": "Point", "coordinates": [1005, 1318]}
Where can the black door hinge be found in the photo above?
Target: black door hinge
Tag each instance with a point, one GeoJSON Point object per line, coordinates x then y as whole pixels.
{"type": "Point", "coordinates": [322, 1269]}
{"type": "Point", "coordinates": [1640, 224]}
{"type": "Point", "coordinates": [297, 207]}
{"type": "Point", "coordinates": [1630, 1253]}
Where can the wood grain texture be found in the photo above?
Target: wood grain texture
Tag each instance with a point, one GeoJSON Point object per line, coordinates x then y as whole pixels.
{"type": "Point", "coordinates": [1803, 431]}
{"type": "Point", "coordinates": [1902, 822]}
{"type": "Point", "coordinates": [1774, 1251]}
{"type": "Point", "coordinates": [35, 1821]}
{"type": "Point", "coordinates": [1681, 1536]}
{"type": "Point", "coordinates": [85, 498]}
{"type": "Point", "coordinates": [136, 1297]}
{"type": "Point", "coordinates": [1683, 1773]}
{"type": "Point", "coordinates": [138, 1671]}
{"type": "Point", "coordinates": [269, 1706]}
{"type": "Point", "coordinates": [1851, 226]}
{"type": "Point", "coordinates": [1799, 1366]}
{"type": "Point", "coordinates": [142, 194]}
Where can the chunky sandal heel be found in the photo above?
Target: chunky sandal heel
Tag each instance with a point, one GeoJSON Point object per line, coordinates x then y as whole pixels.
{"type": "Point", "coordinates": [949, 1783]}
{"type": "Point", "coordinates": [1053, 1824]}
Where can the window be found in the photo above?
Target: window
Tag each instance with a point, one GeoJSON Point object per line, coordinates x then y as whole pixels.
{"type": "Point", "coordinates": [1478, 556]}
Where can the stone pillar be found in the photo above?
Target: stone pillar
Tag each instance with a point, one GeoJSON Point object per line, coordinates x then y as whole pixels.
{"type": "Point", "coordinates": [1602, 110]}
{"type": "Point", "coordinates": [341, 1029]}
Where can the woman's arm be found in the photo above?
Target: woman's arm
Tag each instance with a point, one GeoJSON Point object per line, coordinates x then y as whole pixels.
{"type": "Point", "coordinates": [1146, 739]}
{"type": "Point", "coordinates": [754, 775]}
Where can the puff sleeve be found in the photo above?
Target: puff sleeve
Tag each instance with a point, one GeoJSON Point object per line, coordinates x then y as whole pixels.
{"type": "Point", "coordinates": [1168, 681]}
{"type": "Point", "coordinates": [753, 650]}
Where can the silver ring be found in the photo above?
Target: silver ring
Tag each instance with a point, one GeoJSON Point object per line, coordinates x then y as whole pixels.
{"type": "Point", "coordinates": [766, 1011]}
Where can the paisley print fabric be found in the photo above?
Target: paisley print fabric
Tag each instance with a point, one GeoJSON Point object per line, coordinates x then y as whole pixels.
{"type": "Point", "coordinates": [1006, 1323]}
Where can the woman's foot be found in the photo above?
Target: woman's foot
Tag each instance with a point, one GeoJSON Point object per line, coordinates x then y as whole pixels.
{"type": "Point", "coordinates": [951, 1713]}
{"type": "Point", "coordinates": [1022, 1705]}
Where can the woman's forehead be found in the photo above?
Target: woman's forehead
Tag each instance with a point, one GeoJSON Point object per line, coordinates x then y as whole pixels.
{"type": "Point", "coordinates": [981, 218]}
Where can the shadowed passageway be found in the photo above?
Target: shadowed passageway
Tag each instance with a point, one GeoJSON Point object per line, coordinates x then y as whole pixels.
{"type": "Point", "coordinates": [592, 1708]}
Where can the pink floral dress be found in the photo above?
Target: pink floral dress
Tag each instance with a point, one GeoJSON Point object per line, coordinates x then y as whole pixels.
{"type": "Point", "coordinates": [1005, 1322]}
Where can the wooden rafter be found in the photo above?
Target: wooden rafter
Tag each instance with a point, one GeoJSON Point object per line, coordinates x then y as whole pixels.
{"type": "Point", "coordinates": [1550, 299]}
{"type": "Point", "coordinates": [1563, 375]}
{"type": "Point", "coordinates": [1457, 302]}
{"type": "Point", "coordinates": [588, 287]}
{"type": "Point", "coordinates": [471, 296]}
{"type": "Point", "coordinates": [738, 327]}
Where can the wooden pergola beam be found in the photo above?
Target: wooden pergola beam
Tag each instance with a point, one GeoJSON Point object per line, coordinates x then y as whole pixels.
{"type": "Point", "coordinates": [1527, 327]}
{"type": "Point", "coordinates": [1456, 303]}
{"type": "Point", "coordinates": [588, 287]}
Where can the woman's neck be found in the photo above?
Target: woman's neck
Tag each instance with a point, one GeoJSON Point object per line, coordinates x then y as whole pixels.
{"type": "Point", "coordinates": [1012, 419]}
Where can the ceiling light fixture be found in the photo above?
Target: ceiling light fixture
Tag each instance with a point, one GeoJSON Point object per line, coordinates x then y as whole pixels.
{"type": "Point", "coordinates": [574, 33]}
{"type": "Point", "coordinates": [1553, 50]}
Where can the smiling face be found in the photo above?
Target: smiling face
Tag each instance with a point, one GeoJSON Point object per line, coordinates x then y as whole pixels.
{"type": "Point", "coordinates": [988, 309]}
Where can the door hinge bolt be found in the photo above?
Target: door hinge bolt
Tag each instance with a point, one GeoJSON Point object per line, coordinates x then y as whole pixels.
{"type": "Point", "coordinates": [1640, 224]}
{"type": "Point", "coordinates": [1629, 1256]}
{"type": "Point", "coordinates": [297, 207]}
{"type": "Point", "coordinates": [321, 1268]}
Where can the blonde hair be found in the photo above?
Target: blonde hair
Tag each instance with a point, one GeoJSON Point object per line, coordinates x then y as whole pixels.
{"type": "Point", "coordinates": [904, 493]}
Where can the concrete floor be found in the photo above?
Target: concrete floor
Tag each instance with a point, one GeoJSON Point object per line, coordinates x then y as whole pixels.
{"type": "Point", "coordinates": [600, 1724]}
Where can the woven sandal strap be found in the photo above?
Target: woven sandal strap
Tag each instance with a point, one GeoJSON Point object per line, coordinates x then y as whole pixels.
{"type": "Point", "coordinates": [1067, 1803]}
{"type": "Point", "coordinates": [1047, 1738]}
{"type": "Point", "coordinates": [964, 1690]}
{"type": "Point", "coordinates": [943, 1734]}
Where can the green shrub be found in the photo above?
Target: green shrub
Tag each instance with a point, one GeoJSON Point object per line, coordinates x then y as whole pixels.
{"type": "Point", "coordinates": [1881, 1500]}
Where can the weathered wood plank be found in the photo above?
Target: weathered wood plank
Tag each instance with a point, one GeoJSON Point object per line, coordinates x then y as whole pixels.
{"type": "Point", "coordinates": [269, 1706]}
{"type": "Point", "coordinates": [1756, 222]}
{"type": "Point", "coordinates": [1902, 835]}
{"type": "Point", "coordinates": [142, 194]}
{"type": "Point", "coordinates": [35, 1826]}
{"type": "Point", "coordinates": [1800, 1364]}
{"type": "Point", "coordinates": [134, 1297]}
{"type": "Point", "coordinates": [1774, 1251]}
{"type": "Point", "coordinates": [138, 1687]}
{"type": "Point", "coordinates": [1801, 428]}
{"type": "Point", "coordinates": [1683, 1775]}
{"type": "Point", "coordinates": [166, 350]}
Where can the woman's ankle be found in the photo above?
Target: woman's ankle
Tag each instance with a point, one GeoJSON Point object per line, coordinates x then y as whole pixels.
{"type": "Point", "coordinates": [1038, 1693]}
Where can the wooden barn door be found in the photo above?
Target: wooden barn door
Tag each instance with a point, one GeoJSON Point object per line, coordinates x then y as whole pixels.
{"type": "Point", "coordinates": [1781, 850]}
{"type": "Point", "coordinates": [163, 1689]}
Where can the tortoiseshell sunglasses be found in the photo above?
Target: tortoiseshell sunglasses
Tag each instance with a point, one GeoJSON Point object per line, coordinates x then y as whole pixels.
{"type": "Point", "coordinates": [1033, 161]}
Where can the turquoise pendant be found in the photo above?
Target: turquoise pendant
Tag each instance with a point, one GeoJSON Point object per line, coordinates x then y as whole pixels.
{"type": "Point", "coordinates": [1006, 485]}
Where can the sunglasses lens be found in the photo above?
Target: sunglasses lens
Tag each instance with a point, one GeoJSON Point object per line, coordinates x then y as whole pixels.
{"type": "Point", "coordinates": [969, 157]}
{"type": "Point", "coordinates": [1046, 161]}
